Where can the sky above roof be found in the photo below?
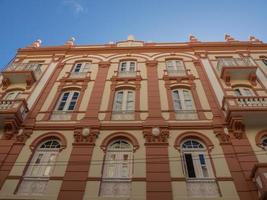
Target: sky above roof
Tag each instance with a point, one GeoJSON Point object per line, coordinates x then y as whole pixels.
{"type": "Point", "coordinates": [101, 21]}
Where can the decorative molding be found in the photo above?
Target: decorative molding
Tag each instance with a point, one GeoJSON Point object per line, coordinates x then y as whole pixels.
{"type": "Point", "coordinates": [193, 135]}
{"type": "Point", "coordinates": [118, 135]}
{"type": "Point", "coordinates": [162, 137]}
{"type": "Point", "coordinates": [88, 139]}
{"type": "Point", "coordinates": [237, 126]}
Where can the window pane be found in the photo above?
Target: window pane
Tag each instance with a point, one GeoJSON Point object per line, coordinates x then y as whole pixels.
{"type": "Point", "coordinates": [202, 159]}
{"type": "Point", "coordinates": [237, 92]}
{"type": "Point", "coordinates": [118, 101]}
{"type": "Point", "coordinates": [78, 67]}
{"type": "Point", "coordinates": [130, 101]}
{"type": "Point", "coordinates": [190, 166]}
{"type": "Point", "coordinates": [176, 100]}
{"type": "Point", "coordinates": [61, 105]}
{"type": "Point", "coordinates": [86, 67]}
{"type": "Point", "coordinates": [247, 92]}
{"type": "Point", "coordinates": [71, 106]}
{"type": "Point", "coordinates": [132, 67]}
{"type": "Point", "coordinates": [123, 67]}
{"type": "Point", "coordinates": [179, 64]}
{"type": "Point", "coordinates": [170, 66]}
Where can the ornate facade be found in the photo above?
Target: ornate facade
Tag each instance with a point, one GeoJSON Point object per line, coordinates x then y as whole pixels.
{"type": "Point", "coordinates": [135, 120]}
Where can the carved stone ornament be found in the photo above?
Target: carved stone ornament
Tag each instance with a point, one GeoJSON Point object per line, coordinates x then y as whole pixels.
{"type": "Point", "coordinates": [81, 136]}
{"type": "Point", "coordinates": [23, 135]}
{"type": "Point", "coordinates": [10, 129]}
{"type": "Point", "coordinates": [161, 137]}
{"type": "Point", "coordinates": [223, 137]}
{"type": "Point", "coordinates": [238, 128]}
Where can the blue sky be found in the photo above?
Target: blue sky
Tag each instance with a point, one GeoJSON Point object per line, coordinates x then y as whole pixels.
{"type": "Point", "coordinates": [101, 21]}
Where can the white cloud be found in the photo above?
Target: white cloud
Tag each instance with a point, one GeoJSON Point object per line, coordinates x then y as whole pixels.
{"type": "Point", "coordinates": [75, 6]}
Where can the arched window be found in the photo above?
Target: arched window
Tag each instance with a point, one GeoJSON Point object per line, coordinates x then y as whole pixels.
{"type": "Point", "coordinates": [183, 104]}
{"type": "Point", "coordinates": [196, 164]}
{"type": "Point", "coordinates": [67, 101]}
{"type": "Point", "coordinates": [117, 173]}
{"type": "Point", "coordinates": [124, 105]}
{"type": "Point", "coordinates": [198, 170]}
{"type": "Point", "coordinates": [175, 67]}
{"type": "Point", "coordinates": [12, 95]}
{"type": "Point", "coordinates": [243, 91]}
{"type": "Point", "coordinates": [127, 68]}
{"type": "Point", "coordinates": [40, 168]}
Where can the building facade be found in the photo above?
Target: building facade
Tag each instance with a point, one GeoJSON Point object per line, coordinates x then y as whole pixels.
{"type": "Point", "coordinates": [135, 120]}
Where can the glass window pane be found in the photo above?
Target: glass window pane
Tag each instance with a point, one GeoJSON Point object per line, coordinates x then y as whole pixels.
{"type": "Point", "coordinates": [237, 92]}
{"type": "Point", "coordinates": [78, 67]}
{"type": "Point", "coordinates": [190, 166]}
{"type": "Point", "coordinates": [132, 67]}
{"type": "Point", "coordinates": [247, 92]}
{"type": "Point", "coordinates": [202, 159]}
{"type": "Point", "coordinates": [123, 66]}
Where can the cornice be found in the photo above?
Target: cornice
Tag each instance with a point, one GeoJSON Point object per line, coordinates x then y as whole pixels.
{"type": "Point", "coordinates": [208, 46]}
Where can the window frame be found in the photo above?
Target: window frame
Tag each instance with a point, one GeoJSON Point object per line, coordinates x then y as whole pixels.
{"type": "Point", "coordinates": [16, 94]}
{"type": "Point", "coordinates": [174, 65]}
{"type": "Point", "coordinates": [198, 167]}
{"type": "Point", "coordinates": [40, 168]}
{"type": "Point", "coordinates": [128, 66]}
{"type": "Point", "coordinates": [72, 98]}
{"type": "Point", "coordinates": [114, 168]}
{"type": "Point", "coordinates": [125, 102]}
{"type": "Point", "coordinates": [264, 61]}
{"type": "Point", "coordinates": [243, 91]}
{"type": "Point", "coordinates": [182, 100]}
{"type": "Point", "coordinates": [84, 67]}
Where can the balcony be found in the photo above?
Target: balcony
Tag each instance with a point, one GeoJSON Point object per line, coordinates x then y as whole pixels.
{"type": "Point", "coordinates": [15, 110]}
{"type": "Point", "coordinates": [246, 106]}
{"type": "Point", "coordinates": [22, 73]}
{"type": "Point", "coordinates": [123, 115]}
{"type": "Point", "coordinates": [236, 69]}
{"type": "Point", "coordinates": [61, 115]}
{"type": "Point", "coordinates": [129, 75]}
{"type": "Point", "coordinates": [202, 188]}
{"type": "Point", "coordinates": [173, 73]}
{"type": "Point", "coordinates": [186, 115]}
